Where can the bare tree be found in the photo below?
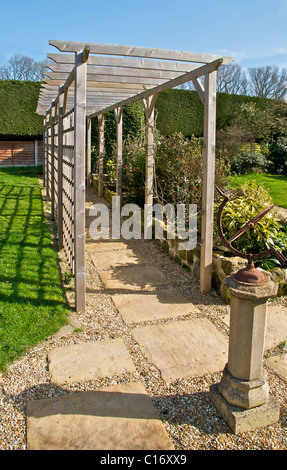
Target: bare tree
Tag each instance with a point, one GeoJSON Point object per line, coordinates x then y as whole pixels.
{"type": "Point", "coordinates": [231, 78]}
{"type": "Point", "coordinates": [22, 68]}
{"type": "Point", "coordinates": [268, 82]}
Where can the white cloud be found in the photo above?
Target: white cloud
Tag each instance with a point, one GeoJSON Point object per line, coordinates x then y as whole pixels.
{"type": "Point", "coordinates": [279, 50]}
{"type": "Point", "coordinates": [238, 55]}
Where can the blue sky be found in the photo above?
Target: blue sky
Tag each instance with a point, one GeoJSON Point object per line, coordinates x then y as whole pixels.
{"type": "Point", "coordinates": [254, 32]}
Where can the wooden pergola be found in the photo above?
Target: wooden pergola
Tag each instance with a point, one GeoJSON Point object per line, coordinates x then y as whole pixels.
{"type": "Point", "coordinates": [88, 80]}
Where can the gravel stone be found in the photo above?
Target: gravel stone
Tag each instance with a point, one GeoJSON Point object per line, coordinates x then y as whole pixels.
{"type": "Point", "coordinates": [190, 418]}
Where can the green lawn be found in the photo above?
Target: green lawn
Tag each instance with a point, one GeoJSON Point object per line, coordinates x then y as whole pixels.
{"type": "Point", "coordinates": [32, 301]}
{"type": "Point", "coordinates": [276, 185]}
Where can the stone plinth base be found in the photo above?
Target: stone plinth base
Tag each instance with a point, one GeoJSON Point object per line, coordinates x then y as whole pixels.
{"type": "Point", "coordinates": [243, 393]}
{"type": "Point", "coordinates": [241, 420]}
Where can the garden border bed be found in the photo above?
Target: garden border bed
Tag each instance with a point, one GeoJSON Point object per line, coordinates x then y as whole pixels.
{"type": "Point", "coordinates": [224, 264]}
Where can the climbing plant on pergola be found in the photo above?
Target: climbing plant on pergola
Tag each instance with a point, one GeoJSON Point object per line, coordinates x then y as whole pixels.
{"type": "Point", "coordinates": [87, 80]}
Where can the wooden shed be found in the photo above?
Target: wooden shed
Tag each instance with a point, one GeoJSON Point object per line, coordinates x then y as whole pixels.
{"type": "Point", "coordinates": [21, 153]}
{"type": "Point", "coordinates": [21, 128]}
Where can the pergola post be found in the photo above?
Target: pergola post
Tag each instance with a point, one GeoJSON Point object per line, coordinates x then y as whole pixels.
{"type": "Point", "coordinates": [44, 149]}
{"type": "Point", "coordinates": [113, 77]}
{"type": "Point", "coordinates": [89, 143]}
{"type": "Point", "coordinates": [148, 104]}
{"type": "Point", "coordinates": [101, 126]}
{"type": "Point", "coordinates": [80, 154]}
{"type": "Point", "coordinates": [48, 124]}
{"type": "Point", "coordinates": [208, 182]}
{"type": "Point", "coordinates": [52, 195]}
{"type": "Point", "coordinates": [60, 168]}
{"type": "Point", "coordinates": [119, 163]}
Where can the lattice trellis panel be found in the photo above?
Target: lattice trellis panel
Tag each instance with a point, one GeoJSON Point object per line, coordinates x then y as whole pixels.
{"type": "Point", "coordinates": [94, 79]}
{"type": "Point", "coordinates": [55, 169]}
{"type": "Point", "coordinates": [68, 162]}
{"type": "Point", "coordinates": [49, 160]}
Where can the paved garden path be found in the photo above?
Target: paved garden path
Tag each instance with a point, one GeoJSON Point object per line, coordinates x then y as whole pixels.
{"type": "Point", "coordinates": [169, 332]}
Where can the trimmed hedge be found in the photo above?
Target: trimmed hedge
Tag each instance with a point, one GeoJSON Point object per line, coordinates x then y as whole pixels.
{"type": "Point", "coordinates": [18, 117]}
{"type": "Point", "coordinates": [178, 111]}
{"type": "Point", "coordinates": [133, 126]}
{"type": "Point", "coordinates": [182, 111]}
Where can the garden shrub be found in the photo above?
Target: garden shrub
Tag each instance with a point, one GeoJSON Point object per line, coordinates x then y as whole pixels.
{"type": "Point", "coordinates": [133, 173]}
{"type": "Point", "coordinates": [278, 156]}
{"type": "Point", "coordinates": [249, 201]}
{"type": "Point", "coordinates": [133, 125]}
{"type": "Point", "coordinates": [179, 170]}
{"type": "Point", "coordinates": [247, 162]}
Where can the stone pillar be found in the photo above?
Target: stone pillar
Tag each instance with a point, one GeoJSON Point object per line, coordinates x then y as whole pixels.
{"type": "Point", "coordinates": [242, 396]}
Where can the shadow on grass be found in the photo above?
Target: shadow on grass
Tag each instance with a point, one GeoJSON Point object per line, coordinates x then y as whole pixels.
{"type": "Point", "coordinates": [282, 178]}
{"type": "Point", "coordinates": [32, 301]}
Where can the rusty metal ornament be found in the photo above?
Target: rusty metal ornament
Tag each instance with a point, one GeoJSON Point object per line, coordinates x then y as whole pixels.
{"type": "Point", "coordinates": [249, 275]}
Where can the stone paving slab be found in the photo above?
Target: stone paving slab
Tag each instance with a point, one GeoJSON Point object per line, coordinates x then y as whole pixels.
{"type": "Point", "coordinates": [89, 361]}
{"type": "Point", "coordinates": [279, 365]}
{"type": "Point", "coordinates": [105, 245]}
{"type": "Point", "coordinates": [119, 258]}
{"type": "Point", "coordinates": [276, 325]}
{"type": "Point", "coordinates": [189, 348]}
{"type": "Point", "coordinates": [149, 306]}
{"type": "Point", "coordinates": [276, 329]}
{"type": "Point", "coordinates": [120, 417]}
{"type": "Point", "coordinates": [133, 278]}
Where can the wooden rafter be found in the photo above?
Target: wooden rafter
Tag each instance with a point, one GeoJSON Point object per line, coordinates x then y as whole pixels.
{"type": "Point", "coordinates": [131, 51]}
{"type": "Point", "coordinates": [126, 73]}
{"type": "Point", "coordinates": [88, 80]}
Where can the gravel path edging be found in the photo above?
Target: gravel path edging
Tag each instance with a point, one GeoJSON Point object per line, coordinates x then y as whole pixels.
{"type": "Point", "coordinates": [189, 416]}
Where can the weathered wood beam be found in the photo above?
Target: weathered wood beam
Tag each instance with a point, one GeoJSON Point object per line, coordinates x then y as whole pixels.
{"type": "Point", "coordinates": [131, 51]}
{"type": "Point", "coordinates": [114, 78]}
{"type": "Point", "coordinates": [148, 104]}
{"type": "Point", "coordinates": [80, 151]}
{"type": "Point", "coordinates": [119, 150]}
{"type": "Point", "coordinates": [199, 88]}
{"type": "Point", "coordinates": [52, 189]}
{"type": "Point", "coordinates": [89, 144]}
{"type": "Point", "coordinates": [101, 130]}
{"type": "Point", "coordinates": [44, 149]}
{"type": "Point", "coordinates": [116, 71]}
{"type": "Point", "coordinates": [144, 64]}
{"type": "Point", "coordinates": [60, 169]}
{"type": "Point", "coordinates": [105, 84]}
{"type": "Point", "coordinates": [199, 72]}
{"type": "Point", "coordinates": [208, 182]}
{"type": "Point", "coordinates": [47, 116]}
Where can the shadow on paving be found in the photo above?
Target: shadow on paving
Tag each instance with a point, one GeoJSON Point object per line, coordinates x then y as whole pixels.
{"type": "Point", "coordinates": [195, 409]}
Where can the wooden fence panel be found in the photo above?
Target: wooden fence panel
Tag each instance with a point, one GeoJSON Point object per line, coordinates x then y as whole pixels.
{"type": "Point", "coordinates": [20, 153]}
